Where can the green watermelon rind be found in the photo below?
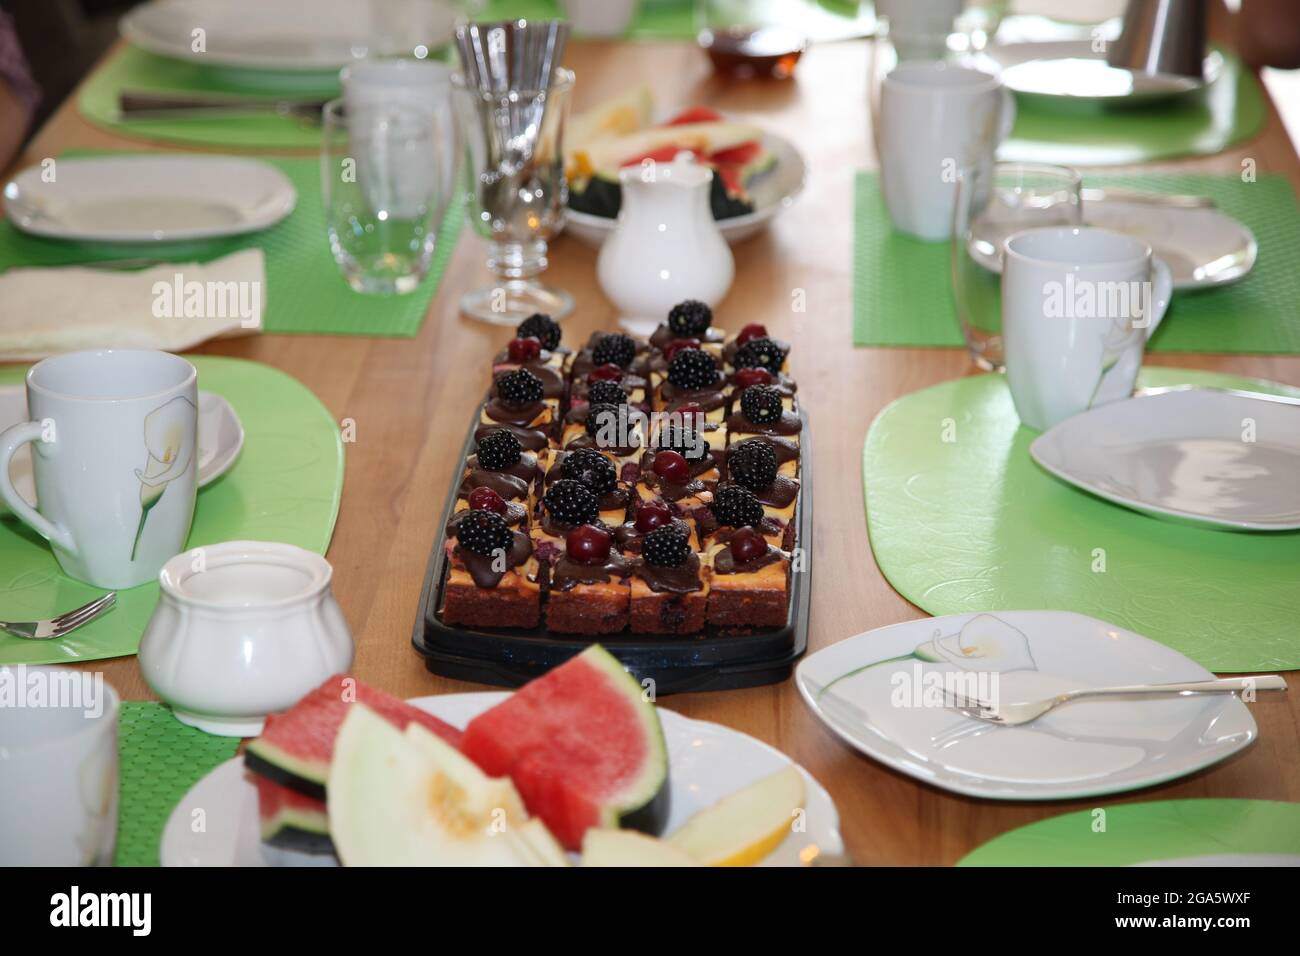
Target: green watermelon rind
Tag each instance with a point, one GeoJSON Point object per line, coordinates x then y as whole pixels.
{"type": "Point", "coordinates": [652, 786]}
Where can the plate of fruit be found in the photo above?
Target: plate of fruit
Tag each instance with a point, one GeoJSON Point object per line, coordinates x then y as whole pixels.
{"type": "Point", "coordinates": [578, 767]}
{"type": "Point", "coordinates": [756, 174]}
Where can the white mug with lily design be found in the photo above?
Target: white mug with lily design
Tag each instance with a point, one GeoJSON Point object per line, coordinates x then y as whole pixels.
{"type": "Point", "coordinates": [1078, 307]}
{"type": "Point", "coordinates": [113, 438]}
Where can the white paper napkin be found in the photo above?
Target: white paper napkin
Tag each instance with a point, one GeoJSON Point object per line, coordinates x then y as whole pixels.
{"type": "Point", "coordinates": [173, 306]}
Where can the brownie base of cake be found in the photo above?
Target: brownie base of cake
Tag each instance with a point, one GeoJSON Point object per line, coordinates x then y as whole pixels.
{"type": "Point", "coordinates": [582, 612]}
{"type": "Point", "coordinates": [735, 609]}
{"type": "Point", "coordinates": [490, 607]}
{"type": "Point", "coordinates": [667, 613]}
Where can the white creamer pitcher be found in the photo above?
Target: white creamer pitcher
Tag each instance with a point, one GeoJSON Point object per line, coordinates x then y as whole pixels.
{"type": "Point", "coordinates": [666, 246]}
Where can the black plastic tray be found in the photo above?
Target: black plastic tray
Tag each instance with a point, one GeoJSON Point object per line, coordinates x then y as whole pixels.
{"type": "Point", "coordinates": [709, 660]}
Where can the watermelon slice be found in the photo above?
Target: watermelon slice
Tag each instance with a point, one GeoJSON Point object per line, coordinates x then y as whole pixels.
{"type": "Point", "coordinates": [295, 747]}
{"type": "Point", "coordinates": [291, 820]}
{"type": "Point", "coordinates": [583, 747]}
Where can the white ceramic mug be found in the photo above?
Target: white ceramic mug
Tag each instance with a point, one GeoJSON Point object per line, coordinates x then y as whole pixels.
{"type": "Point", "coordinates": [935, 120]}
{"type": "Point", "coordinates": [1078, 306]}
{"type": "Point", "coordinates": [371, 88]}
{"type": "Point", "coordinates": [114, 454]}
{"type": "Point", "coordinates": [242, 629]}
{"type": "Point", "coordinates": [58, 767]}
{"type": "Point", "coordinates": [919, 29]}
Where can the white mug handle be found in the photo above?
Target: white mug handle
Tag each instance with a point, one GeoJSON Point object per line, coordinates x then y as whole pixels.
{"type": "Point", "coordinates": [11, 440]}
{"type": "Point", "coordinates": [1162, 290]}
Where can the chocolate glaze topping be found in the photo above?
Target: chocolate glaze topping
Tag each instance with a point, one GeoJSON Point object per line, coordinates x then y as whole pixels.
{"type": "Point", "coordinates": [680, 580]}
{"type": "Point", "coordinates": [523, 416]}
{"type": "Point", "coordinates": [514, 514]}
{"type": "Point", "coordinates": [663, 335]}
{"type": "Point", "coordinates": [568, 574]}
{"type": "Point", "coordinates": [788, 424]}
{"type": "Point", "coordinates": [510, 483]}
{"type": "Point", "coordinates": [480, 567]}
{"type": "Point", "coordinates": [552, 378]}
{"type": "Point", "coordinates": [724, 562]}
{"type": "Point", "coordinates": [530, 439]}
{"type": "Point", "coordinates": [628, 538]}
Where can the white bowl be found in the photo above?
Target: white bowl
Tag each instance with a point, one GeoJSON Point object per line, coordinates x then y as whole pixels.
{"type": "Point", "coordinates": [773, 191]}
{"type": "Point", "coordinates": [242, 629]}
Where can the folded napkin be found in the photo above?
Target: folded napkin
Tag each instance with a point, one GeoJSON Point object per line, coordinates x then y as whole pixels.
{"type": "Point", "coordinates": [173, 306]}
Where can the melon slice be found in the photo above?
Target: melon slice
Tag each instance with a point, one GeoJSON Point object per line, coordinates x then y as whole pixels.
{"type": "Point", "coordinates": [408, 798]}
{"type": "Point", "coordinates": [605, 157]}
{"type": "Point", "coordinates": [625, 113]}
{"type": "Point", "coordinates": [295, 747]}
{"type": "Point", "coordinates": [291, 820]}
{"type": "Point", "coordinates": [745, 826]}
{"type": "Point", "coordinates": [628, 848]}
{"type": "Point", "coordinates": [582, 745]}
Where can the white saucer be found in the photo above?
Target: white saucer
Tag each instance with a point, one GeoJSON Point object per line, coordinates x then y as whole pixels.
{"type": "Point", "coordinates": [220, 437]}
{"type": "Point", "coordinates": [1206, 456]}
{"type": "Point", "coordinates": [1072, 70]}
{"type": "Point", "coordinates": [1202, 247]}
{"type": "Point", "coordinates": [706, 762]}
{"type": "Point", "coordinates": [312, 36]}
{"type": "Point", "coordinates": [1079, 750]}
{"type": "Point", "coordinates": [148, 199]}
{"type": "Point", "coordinates": [772, 192]}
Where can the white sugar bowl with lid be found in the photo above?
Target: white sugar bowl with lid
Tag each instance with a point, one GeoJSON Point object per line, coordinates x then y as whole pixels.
{"type": "Point", "coordinates": [242, 629]}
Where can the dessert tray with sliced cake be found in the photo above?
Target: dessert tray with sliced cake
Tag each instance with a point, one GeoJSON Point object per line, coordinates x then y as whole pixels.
{"type": "Point", "coordinates": [649, 493]}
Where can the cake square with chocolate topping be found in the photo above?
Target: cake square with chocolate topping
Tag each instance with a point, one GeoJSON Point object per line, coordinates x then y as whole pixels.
{"type": "Point", "coordinates": [501, 591]}
{"type": "Point", "coordinates": [748, 594]}
{"type": "Point", "coordinates": [669, 600]}
{"type": "Point", "coordinates": [589, 598]}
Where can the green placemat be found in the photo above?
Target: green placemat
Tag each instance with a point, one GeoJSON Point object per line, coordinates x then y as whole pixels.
{"type": "Point", "coordinates": [305, 292]}
{"type": "Point", "coordinates": [160, 759]}
{"type": "Point", "coordinates": [902, 287]}
{"type": "Point", "coordinates": [285, 486]}
{"type": "Point", "coordinates": [961, 519]}
{"type": "Point", "coordinates": [1145, 832]}
{"type": "Point", "coordinates": [1231, 110]}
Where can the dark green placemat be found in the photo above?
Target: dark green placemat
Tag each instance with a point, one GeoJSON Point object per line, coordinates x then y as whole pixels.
{"type": "Point", "coordinates": [161, 759]}
{"type": "Point", "coordinates": [305, 292]}
{"type": "Point", "coordinates": [1230, 111]}
{"type": "Point", "coordinates": [1134, 833]}
{"type": "Point", "coordinates": [902, 289]}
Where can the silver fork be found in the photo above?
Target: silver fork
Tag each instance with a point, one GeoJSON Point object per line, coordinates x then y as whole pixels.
{"type": "Point", "coordinates": [63, 624]}
{"type": "Point", "coordinates": [1010, 715]}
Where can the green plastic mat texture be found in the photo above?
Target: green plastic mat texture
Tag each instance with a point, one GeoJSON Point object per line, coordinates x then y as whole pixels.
{"type": "Point", "coordinates": [902, 288]}
{"type": "Point", "coordinates": [160, 759]}
{"type": "Point", "coordinates": [1230, 111]}
{"type": "Point", "coordinates": [961, 519]}
{"type": "Point", "coordinates": [305, 292]}
{"type": "Point", "coordinates": [285, 486]}
{"type": "Point", "coordinates": [1133, 833]}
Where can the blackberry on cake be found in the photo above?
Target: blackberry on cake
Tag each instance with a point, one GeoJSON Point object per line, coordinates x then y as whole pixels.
{"type": "Point", "coordinates": [614, 348]}
{"type": "Point", "coordinates": [542, 327]}
{"type": "Point", "coordinates": [670, 585]}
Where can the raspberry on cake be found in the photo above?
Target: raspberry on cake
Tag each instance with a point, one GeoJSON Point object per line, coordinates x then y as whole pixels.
{"type": "Point", "coordinates": [589, 591]}
{"type": "Point", "coordinates": [750, 583]}
{"type": "Point", "coordinates": [492, 581]}
{"type": "Point", "coordinates": [670, 586]}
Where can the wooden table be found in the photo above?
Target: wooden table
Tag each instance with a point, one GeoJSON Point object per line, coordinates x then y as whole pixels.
{"type": "Point", "coordinates": [409, 399]}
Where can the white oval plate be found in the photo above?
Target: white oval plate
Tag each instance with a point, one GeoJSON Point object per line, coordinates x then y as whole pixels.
{"type": "Point", "coordinates": [772, 192]}
{"type": "Point", "coordinates": [220, 437]}
{"type": "Point", "coordinates": [1202, 247]}
{"type": "Point", "coordinates": [1072, 70]}
{"type": "Point", "coordinates": [149, 199]}
{"type": "Point", "coordinates": [1079, 750]}
{"type": "Point", "coordinates": [706, 762]}
{"type": "Point", "coordinates": [1181, 454]}
{"type": "Point", "coordinates": [312, 36]}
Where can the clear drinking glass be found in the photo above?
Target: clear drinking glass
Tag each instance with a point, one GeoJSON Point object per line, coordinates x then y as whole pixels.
{"type": "Point", "coordinates": [514, 155]}
{"type": "Point", "coordinates": [994, 201]}
{"type": "Point", "coordinates": [381, 179]}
